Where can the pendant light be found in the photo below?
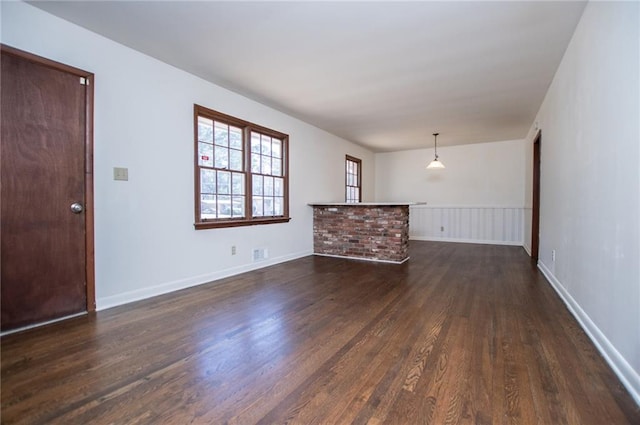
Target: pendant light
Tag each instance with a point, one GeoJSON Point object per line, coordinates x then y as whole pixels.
{"type": "Point", "coordinates": [435, 163]}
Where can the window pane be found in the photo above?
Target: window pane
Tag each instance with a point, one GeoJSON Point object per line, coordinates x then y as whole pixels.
{"type": "Point", "coordinates": [268, 186]}
{"type": "Point", "coordinates": [207, 207]}
{"type": "Point", "coordinates": [222, 157]}
{"type": "Point", "coordinates": [255, 142]}
{"type": "Point", "coordinates": [266, 164]}
{"type": "Point", "coordinates": [278, 187]}
{"type": "Point", "coordinates": [222, 134]}
{"type": "Point", "coordinates": [266, 145]}
{"type": "Point", "coordinates": [205, 130]}
{"type": "Point", "coordinates": [205, 154]}
{"type": "Point", "coordinates": [237, 183]}
{"type": "Point", "coordinates": [276, 148]}
{"type": "Point", "coordinates": [235, 137]}
{"type": "Point", "coordinates": [257, 185]}
{"type": "Point", "coordinates": [207, 181]}
{"type": "Point", "coordinates": [237, 208]}
{"type": "Point", "coordinates": [255, 163]}
{"type": "Point", "coordinates": [224, 183]}
{"type": "Point", "coordinates": [276, 167]}
{"type": "Point", "coordinates": [257, 206]}
{"type": "Point", "coordinates": [268, 206]}
{"type": "Point", "coordinates": [224, 206]}
{"type": "Point", "coordinates": [235, 160]}
{"type": "Point", "coordinates": [278, 208]}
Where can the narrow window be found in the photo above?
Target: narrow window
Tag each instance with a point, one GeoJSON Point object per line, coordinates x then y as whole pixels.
{"type": "Point", "coordinates": [353, 178]}
{"type": "Point", "coordinates": [240, 172]}
{"type": "Point", "coordinates": [268, 178]}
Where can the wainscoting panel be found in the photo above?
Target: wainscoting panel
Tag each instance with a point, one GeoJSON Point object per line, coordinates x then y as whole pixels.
{"type": "Point", "coordinates": [480, 224]}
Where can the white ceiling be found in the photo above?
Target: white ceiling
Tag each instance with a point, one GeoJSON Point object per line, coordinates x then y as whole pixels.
{"type": "Point", "coordinates": [382, 74]}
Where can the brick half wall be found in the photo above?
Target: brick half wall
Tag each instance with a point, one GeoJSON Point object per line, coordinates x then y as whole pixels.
{"type": "Point", "coordinates": [378, 232]}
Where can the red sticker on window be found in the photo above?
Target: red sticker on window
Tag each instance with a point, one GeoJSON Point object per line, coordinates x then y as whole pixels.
{"type": "Point", "coordinates": [204, 157]}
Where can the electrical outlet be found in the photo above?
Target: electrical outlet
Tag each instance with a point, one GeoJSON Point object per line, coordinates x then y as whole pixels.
{"type": "Point", "coordinates": [553, 255]}
{"type": "Point", "coordinates": [442, 228]}
{"type": "Point", "coordinates": [233, 250]}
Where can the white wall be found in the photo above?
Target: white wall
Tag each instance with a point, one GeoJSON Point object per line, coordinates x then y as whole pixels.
{"type": "Point", "coordinates": [145, 243]}
{"type": "Point", "coordinates": [478, 198]}
{"type": "Point", "coordinates": [590, 182]}
{"type": "Point", "coordinates": [486, 174]}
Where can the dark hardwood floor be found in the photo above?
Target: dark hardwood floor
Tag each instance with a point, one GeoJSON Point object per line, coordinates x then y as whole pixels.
{"type": "Point", "coordinates": [460, 334]}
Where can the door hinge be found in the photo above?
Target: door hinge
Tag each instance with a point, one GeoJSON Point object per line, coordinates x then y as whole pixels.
{"type": "Point", "coordinates": [84, 81]}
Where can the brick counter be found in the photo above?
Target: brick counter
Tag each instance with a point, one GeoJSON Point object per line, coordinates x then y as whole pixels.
{"type": "Point", "coordinates": [378, 232]}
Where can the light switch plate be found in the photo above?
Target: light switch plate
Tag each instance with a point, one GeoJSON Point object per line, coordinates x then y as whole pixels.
{"type": "Point", "coordinates": [120, 173]}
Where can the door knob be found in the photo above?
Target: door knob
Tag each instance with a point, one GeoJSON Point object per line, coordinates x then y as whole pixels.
{"type": "Point", "coordinates": [76, 208]}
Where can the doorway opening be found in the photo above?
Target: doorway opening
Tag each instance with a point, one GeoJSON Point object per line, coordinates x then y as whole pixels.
{"type": "Point", "coordinates": [535, 207]}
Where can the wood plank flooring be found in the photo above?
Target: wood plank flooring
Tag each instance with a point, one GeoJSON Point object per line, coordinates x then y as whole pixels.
{"type": "Point", "coordinates": [460, 334]}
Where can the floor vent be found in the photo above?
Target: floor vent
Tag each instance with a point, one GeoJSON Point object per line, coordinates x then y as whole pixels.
{"type": "Point", "coordinates": [260, 254]}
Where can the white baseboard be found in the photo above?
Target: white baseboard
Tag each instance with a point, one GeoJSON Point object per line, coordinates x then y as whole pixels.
{"type": "Point", "coordinates": [478, 241]}
{"type": "Point", "coordinates": [527, 248]}
{"type": "Point", "coordinates": [627, 375]}
{"type": "Point", "coordinates": [164, 288]}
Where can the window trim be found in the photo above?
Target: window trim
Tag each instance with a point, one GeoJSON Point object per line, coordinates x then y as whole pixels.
{"type": "Point", "coordinates": [247, 127]}
{"type": "Point", "coordinates": [359, 175]}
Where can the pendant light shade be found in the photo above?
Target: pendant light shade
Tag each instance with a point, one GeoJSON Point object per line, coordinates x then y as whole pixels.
{"type": "Point", "coordinates": [435, 163]}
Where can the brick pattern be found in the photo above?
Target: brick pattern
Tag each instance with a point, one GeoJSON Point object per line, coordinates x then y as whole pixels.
{"type": "Point", "coordinates": [361, 231]}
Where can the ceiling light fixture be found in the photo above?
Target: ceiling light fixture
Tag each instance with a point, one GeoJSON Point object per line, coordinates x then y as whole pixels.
{"type": "Point", "coordinates": [435, 163]}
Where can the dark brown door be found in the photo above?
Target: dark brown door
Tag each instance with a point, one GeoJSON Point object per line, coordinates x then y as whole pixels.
{"type": "Point", "coordinates": [44, 135]}
{"type": "Point", "coordinates": [535, 207]}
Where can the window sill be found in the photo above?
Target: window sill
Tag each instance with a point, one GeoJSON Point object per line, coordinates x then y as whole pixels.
{"type": "Point", "coordinates": [237, 223]}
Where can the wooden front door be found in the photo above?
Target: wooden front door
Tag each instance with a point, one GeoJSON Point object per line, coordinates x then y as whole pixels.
{"type": "Point", "coordinates": [47, 232]}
